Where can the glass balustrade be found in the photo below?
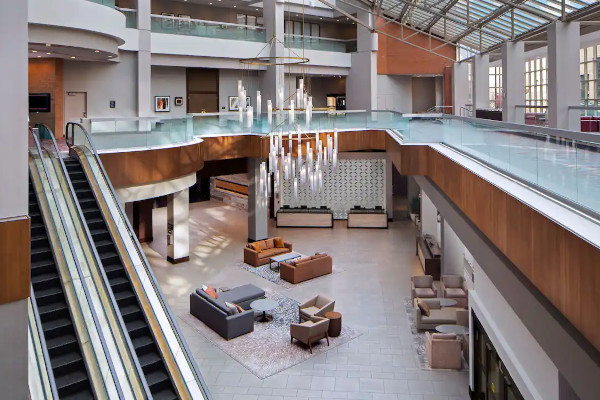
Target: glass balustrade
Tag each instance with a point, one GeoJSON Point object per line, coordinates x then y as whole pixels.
{"type": "Point", "coordinates": [108, 3]}
{"type": "Point", "coordinates": [210, 29]}
{"type": "Point", "coordinates": [320, 43]}
{"type": "Point", "coordinates": [130, 17]}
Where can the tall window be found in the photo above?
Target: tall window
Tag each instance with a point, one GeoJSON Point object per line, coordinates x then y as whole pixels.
{"type": "Point", "coordinates": [496, 88]}
{"type": "Point", "coordinates": [588, 72]}
{"type": "Point", "coordinates": [536, 85]}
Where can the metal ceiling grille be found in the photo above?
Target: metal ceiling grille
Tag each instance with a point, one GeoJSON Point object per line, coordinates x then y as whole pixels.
{"type": "Point", "coordinates": [478, 24]}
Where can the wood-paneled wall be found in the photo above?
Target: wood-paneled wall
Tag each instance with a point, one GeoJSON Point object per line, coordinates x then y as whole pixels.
{"type": "Point", "coordinates": [562, 266]}
{"type": "Point", "coordinates": [15, 259]}
{"type": "Point", "coordinates": [149, 166]}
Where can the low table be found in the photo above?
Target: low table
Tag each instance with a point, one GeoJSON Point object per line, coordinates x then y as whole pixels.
{"type": "Point", "coordinates": [456, 329]}
{"type": "Point", "coordinates": [281, 258]}
{"type": "Point", "coordinates": [264, 305]}
{"type": "Point", "coordinates": [335, 323]}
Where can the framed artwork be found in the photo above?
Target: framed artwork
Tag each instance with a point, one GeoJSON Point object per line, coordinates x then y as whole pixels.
{"type": "Point", "coordinates": [169, 22]}
{"type": "Point", "coordinates": [178, 101]}
{"type": "Point", "coordinates": [162, 103]}
{"type": "Point", "coordinates": [234, 104]}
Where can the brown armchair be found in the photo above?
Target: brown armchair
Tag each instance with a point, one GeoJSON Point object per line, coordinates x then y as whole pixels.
{"type": "Point", "coordinates": [453, 287]}
{"type": "Point", "coordinates": [310, 331]}
{"type": "Point", "coordinates": [315, 307]}
{"type": "Point", "coordinates": [268, 249]}
{"type": "Point", "coordinates": [422, 287]}
{"type": "Point", "coordinates": [443, 350]}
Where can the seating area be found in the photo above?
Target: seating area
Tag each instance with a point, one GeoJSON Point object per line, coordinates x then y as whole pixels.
{"type": "Point", "coordinates": [259, 253]}
{"type": "Point", "coordinates": [305, 268]}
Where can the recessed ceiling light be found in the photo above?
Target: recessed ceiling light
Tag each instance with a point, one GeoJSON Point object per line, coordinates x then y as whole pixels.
{"type": "Point", "coordinates": [72, 56]}
{"type": "Point", "coordinates": [48, 53]}
{"type": "Point", "coordinates": [96, 51]}
{"type": "Point", "coordinates": [210, 4]}
{"type": "Point", "coordinates": [321, 18]}
{"type": "Point", "coordinates": [109, 56]}
{"type": "Point", "coordinates": [34, 51]}
{"type": "Point", "coordinates": [234, 6]}
{"type": "Point", "coordinates": [39, 56]}
{"type": "Point", "coordinates": [48, 45]}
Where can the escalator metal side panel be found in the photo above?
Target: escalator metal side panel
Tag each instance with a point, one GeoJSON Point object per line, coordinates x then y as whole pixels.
{"type": "Point", "coordinates": [161, 340]}
{"type": "Point", "coordinates": [40, 378]}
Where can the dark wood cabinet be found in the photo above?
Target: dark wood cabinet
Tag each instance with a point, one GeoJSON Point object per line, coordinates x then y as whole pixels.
{"type": "Point", "coordinates": [429, 254]}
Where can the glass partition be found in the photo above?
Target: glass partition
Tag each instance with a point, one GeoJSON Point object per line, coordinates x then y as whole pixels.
{"type": "Point", "coordinates": [210, 29]}
{"type": "Point", "coordinates": [319, 43]}
{"type": "Point", "coordinates": [130, 17]}
{"type": "Point", "coordinates": [108, 3]}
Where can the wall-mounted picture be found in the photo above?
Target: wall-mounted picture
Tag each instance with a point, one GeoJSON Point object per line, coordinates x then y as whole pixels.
{"type": "Point", "coordinates": [234, 103]}
{"type": "Point", "coordinates": [162, 103]}
{"type": "Point", "coordinates": [178, 101]}
{"type": "Point", "coordinates": [169, 21]}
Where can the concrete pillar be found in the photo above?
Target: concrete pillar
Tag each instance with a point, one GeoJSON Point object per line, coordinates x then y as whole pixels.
{"type": "Point", "coordinates": [144, 67]}
{"type": "Point", "coordinates": [513, 82]}
{"type": "Point", "coordinates": [273, 78]}
{"type": "Point", "coordinates": [142, 220]}
{"type": "Point", "coordinates": [460, 86]}
{"type": "Point", "coordinates": [563, 75]}
{"type": "Point", "coordinates": [14, 221]}
{"type": "Point", "coordinates": [361, 82]}
{"type": "Point", "coordinates": [178, 231]}
{"type": "Point", "coordinates": [481, 82]}
{"type": "Point", "coordinates": [257, 204]}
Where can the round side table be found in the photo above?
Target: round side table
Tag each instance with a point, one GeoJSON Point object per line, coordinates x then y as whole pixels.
{"type": "Point", "coordinates": [335, 323]}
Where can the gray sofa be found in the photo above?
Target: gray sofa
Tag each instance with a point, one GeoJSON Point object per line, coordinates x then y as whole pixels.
{"type": "Point", "coordinates": [214, 313]}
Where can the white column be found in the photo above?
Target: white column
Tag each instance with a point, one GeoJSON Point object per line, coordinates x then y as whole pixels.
{"type": "Point", "coordinates": [144, 68]}
{"type": "Point", "coordinates": [481, 82]}
{"type": "Point", "coordinates": [361, 82]}
{"type": "Point", "coordinates": [257, 206]}
{"type": "Point", "coordinates": [513, 82]}
{"type": "Point", "coordinates": [14, 188]}
{"type": "Point", "coordinates": [563, 75]}
{"type": "Point", "coordinates": [273, 78]}
{"type": "Point", "coordinates": [460, 86]}
{"type": "Point", "coordinates": [178, 231]}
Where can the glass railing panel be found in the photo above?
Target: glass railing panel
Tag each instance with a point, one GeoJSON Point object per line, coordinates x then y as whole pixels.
{"type": "Point", "coordinates": [108, 3]}
{"type": "Point", "coordinates": [130, 17]}
{"type": "Point", "coordinates": [588, 174]}
{"type": "Point", "coordinates": [209, 29]}
{"type": "Point", "coordinates": [319, 43]}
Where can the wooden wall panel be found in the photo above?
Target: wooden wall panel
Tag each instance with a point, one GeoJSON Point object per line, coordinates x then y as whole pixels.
{"type": "Point", "coordinates": [15, 259]}
{"type": "Point", "coordinates": [135, 168]}
{"type": "Point", "coordinates": [562, 266]}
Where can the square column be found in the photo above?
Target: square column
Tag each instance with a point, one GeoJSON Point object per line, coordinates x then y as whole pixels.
{"type": "Point", "coordinates": [361, 83]}
{"type": "Point", "coordinates": [273, 78]}
{"type": "Point", "coordinates": [257, 204]}
{"type": "Point", "coordinates": [513, 82]}
{"type": "Point", "coordinates": [481, 82]}
{"type": "Point", "coordinates": [460, 86]}
{"type": "Point", "coordinates": [144, 67]}
{"type": "Point", "coordinates": [178, 231]}
{"type": "Point", "coordinates": [563, 75]}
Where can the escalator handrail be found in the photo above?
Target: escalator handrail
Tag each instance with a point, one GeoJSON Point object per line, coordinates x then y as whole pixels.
{"type": "Point", "coordinates": [91, 245]}
{"type": "Point", "coordinates": [142, 255]}
{"type": "Point", "coordinates": [40, 332]}
{"type": "Point", "coordinates": [78, 268]}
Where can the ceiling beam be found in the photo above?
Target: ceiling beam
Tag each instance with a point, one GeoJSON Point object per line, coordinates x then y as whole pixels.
{"type": "Point", "coordinates": [443, 12]}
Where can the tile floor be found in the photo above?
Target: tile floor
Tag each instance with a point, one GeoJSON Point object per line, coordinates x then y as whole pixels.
{"type": "Point", "coordinates": [378, 263]}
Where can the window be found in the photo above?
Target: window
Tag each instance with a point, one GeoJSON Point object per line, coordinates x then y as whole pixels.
{"type": "Point", "coordinates": [536, 85]}
{"type": "Point", "coordinates": [589, 74]}
{"type": "Point", "coordinates": [496, 88]}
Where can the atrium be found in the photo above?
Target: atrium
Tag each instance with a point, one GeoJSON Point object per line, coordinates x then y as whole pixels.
{"type": "Point", "coordinates": [300, 199]}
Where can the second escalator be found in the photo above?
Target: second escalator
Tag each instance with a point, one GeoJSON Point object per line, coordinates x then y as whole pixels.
{"type": "Point", "coordinates": [146, 348]}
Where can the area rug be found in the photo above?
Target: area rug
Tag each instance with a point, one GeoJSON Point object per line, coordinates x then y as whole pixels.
{"type": "Point", "coordinates": [418, 337]}
{"type": "Point", "coordinates": [265, 272]}
{"type": "Point", "coordinates": [267, 350]}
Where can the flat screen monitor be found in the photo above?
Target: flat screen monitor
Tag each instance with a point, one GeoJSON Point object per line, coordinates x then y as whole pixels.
{"type": "Point", "coordinates": [39, 102]}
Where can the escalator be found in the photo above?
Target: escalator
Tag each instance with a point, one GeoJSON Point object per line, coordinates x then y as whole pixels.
{"type": "Point", "coordinates": [144, 342]}
{"type": "Point", "coordinates": [66, 357]}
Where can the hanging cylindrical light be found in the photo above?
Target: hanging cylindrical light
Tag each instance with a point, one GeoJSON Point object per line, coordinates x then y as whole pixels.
{"type": "Point", "coordinates": [269, 113]}
{"type": "Point", "coordinates": [291, 119]}
{"type": "Point", "coordinates": [258, 104]}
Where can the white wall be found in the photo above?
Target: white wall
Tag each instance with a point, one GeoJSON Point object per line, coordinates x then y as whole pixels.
{"type": "Point", "coordinates": [429, 223]}
{"type": "Point", "coordinates": [532, 370]}
{"type": "Point", "coordinates": [169, 81]}
{"type": "Point", "coordinates": [423, 93]}
{"type": "Point", "coordinates": [104, 82]}
{"type": "Point", "coordinates": [452, 251]}
{"type": "Point", "coordinates": [394, 93]}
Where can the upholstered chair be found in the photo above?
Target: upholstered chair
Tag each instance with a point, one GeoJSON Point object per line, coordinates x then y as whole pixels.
{"type": "Point", "coordinates": [310, 331]}
{"type": "Point", "coordinates": [317, 306]}
{"type": "Point", "coordinates": [443, 350]}
{"type": "Point", "coordinates": [462, 318]}
{"type": "Point", "coordinates": [453, 287]}
{"type": "Point", "coordinates": [422, 287]}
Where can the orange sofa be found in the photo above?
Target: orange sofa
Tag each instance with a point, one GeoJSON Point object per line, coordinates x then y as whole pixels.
{"type": "Point", "coordinates": [259, 253]}
{"type": "Point", "coordinates": [306, 268]}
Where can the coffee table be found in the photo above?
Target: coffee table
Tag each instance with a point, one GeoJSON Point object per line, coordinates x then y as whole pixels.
{"type": "Point", "coordinates": [456, 329]}
{"type": "Point", "coordinates": [264, 305]}
{"type": "Point", "coordinates": [281, 258]}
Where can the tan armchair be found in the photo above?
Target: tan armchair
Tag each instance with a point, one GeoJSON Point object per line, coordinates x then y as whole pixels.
{"type": "Point", "coordinates": [443, 350]}
{"type": "Point", "coordinates": [315, 307]}
{"type": "Point", "coordinates": [310, 331]}
{"type": "Point", "coordinates": [422, 287]}
{"type": "Point", "coordinates": [453, 287]}
{"type": "Point", "coordinates": [462, 318]}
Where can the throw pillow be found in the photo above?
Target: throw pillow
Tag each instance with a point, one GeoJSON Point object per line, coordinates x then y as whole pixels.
{"type": "Point", "coordinates": [211, 292]}
{"type": "Point", "coordinates": [424, 307]}
{"type": "Point", "coordinates": [278, 242]}
{"type": "Point", "coordinates": [270, 243]}
{"type": "Point", "coordinates": [231, 308]}
{"type": "Point", "coordinates": [240, 309]}
{"type": "Point", "coordinates": [257, 247]}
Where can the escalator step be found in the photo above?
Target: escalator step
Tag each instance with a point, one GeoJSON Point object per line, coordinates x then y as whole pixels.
{"type": "Point", "coordinates": [119, 283]}
{"type": "Point", "coordinates": [155, 378]}
{"type": "Point", "coordinates": [52, 307]}
{"type": "Point", "coordinates": [56, 324]}
{"type": "Point", "coordinates": [125, 294]}
{"type": "Point", "coordinates": [44, 280]}
{"type": "Point", "coordinates": [113, 270]}
{"type": "Point", "coordinates": [103, 243]}
{"type": "Point", "coordinates": [72, 382]}
{"type": "Point", "coordinates": [130, 310]}
{"type": "Point", "coordinates": [136, 325]}
{"type": "Point", "coordinates": [96, 232]}
{"type": "Point", "coordinates": [142, 343]}
{"type": "Point", "coordinates": [65, 359]}
{"type": "Point", "coordinates": [84, 394]}
{"type": "Point", "coordinates": [42, 263]}
{"type": "Point", "coordinates": [149, 360]}
{"type": "Point", "coordinates": [42, 294]}
{"type": "Point", "coordinates": [165, 394]}
{"type": "Point", "coordinates": [61, 341]}
{"type": "Point", "coordinates": [41, 250]}
{"type": "Point", "coordinates": [108, 255]}
{"type": "Point", "coordinates": [38, 236]}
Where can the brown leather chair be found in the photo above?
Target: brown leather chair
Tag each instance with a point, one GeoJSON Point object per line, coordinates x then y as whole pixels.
{"type": "Point", "coordinates": [310, 331]}
{"type": "Point", "coordinates": [306, 268]}
{"type": "Point", "coordinates": [267, 250]}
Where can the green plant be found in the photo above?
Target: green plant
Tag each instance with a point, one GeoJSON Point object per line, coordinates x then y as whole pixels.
{"type": "Point", "coordinates": [415, 206]}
